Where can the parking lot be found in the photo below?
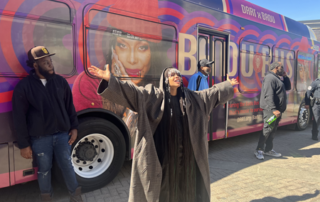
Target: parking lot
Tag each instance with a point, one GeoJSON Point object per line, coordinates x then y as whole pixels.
{"type": "Point", "coordinates": [235, 174]}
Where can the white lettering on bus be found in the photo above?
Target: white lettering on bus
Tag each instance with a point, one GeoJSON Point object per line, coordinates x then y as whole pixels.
{"type": "Point", "coordinates": [234, 56]}
{"type": "Point", "coordinates": [191, 54]}
{"type": "Point", "coordinates": [279, 58]}
{"type": "Point", "coordinates": [246, 70]}
{"type": "Point", "coordinates": [289, 65]}
{"type": "Point", "coordinates": [261, 15]}
{"type": "Point", "coordinates": [268, 17]}
{"type": "Point", "coordinates": [243, 58]}
{"type": "Point", "coordinates": [248, 10]}
{"type": "Point", "coordinates": [266, 61]}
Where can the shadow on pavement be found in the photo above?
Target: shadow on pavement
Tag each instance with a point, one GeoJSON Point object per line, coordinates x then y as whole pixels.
{"type": "Point", "coordinates": [288, 198]}
{"type": "Point", "coordinates": [227, 156]}
{"type": "Point", "coordinates": [305, 153]}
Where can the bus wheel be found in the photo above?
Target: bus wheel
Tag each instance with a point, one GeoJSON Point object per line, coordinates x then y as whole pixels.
{"type": "Point", "coordinates": [98, 153]}
{"type": "Point", "coordinates": [303, 117]}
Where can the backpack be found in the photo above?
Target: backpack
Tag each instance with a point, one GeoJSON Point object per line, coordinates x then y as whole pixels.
{"type": "Point", "coordinates": [198, 82]}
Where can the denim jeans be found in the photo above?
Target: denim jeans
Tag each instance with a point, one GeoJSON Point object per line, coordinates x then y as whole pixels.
{"type": "Point", "coordinates": [43, 149]}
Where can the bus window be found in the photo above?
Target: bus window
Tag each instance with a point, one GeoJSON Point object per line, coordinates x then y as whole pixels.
{"type": "Point", "coordinates": [48, 24]}
{"type": "Point", "coordinates": [218, 58]}
{"type": "Point", "coordinates": [305, 71]}
{"type": "Point", "coordinates": [136, 55]}
{"type": "Point", "coordinates": [46, 10]}
{"type": "Point", "coordinates": [254, 62]}
{"type": "Point", "coordinates": [203, 47]}
{"type": "Point", "coordinates": [287, 59]}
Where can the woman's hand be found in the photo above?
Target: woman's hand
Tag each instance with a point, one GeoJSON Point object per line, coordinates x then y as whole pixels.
{"type": "Point", "coordinates": [232, 81]}
{"type": "Point", "coordinates": [117, 67]}
{"type": "Point", "coordinates": [102, 74]}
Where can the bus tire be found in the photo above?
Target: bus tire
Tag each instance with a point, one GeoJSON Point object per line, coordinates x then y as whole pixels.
{"type": "Point", "coordinates": [97, 154]}
{"type": "Point", "coordinates": [303, 117]}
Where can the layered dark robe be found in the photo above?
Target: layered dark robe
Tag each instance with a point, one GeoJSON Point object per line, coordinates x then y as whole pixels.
{"type": "Point", "coordinates": [149, 102]}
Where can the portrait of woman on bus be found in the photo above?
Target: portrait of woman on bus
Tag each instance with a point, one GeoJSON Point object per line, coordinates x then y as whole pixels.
{"type": "Point", "coordinates": [132, 57]}
{"type": "Point", "coordinates": [303, 77]}
{"type": "Point", "coordinates": [132, 54]}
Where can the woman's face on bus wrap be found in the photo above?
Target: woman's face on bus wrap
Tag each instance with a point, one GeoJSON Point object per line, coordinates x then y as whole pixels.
{"type": "Point", "coordinates": [135, 57]}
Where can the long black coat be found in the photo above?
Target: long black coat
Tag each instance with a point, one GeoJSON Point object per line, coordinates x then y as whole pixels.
{"type": "Point", "coordinates": [149, 102]}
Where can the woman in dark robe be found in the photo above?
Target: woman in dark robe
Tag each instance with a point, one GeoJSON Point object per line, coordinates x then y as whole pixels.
{"type": "Point", "coordinates": [170, 161]}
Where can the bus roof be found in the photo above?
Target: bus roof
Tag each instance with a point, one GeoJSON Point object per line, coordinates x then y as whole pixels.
{"type": "Point", "coordinates": [250, 11]}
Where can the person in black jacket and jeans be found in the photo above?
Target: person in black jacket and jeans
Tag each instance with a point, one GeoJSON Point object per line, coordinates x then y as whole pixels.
{"type": "Point", "coordinates": [45, 121]}
{"type": "Point", "coordinates": [273, 101]}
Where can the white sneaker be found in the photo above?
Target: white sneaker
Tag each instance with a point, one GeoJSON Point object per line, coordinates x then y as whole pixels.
{"type": "Point", "coordinates": [259, 154]}
{"type": "Point", "coordinates": [273, 153]}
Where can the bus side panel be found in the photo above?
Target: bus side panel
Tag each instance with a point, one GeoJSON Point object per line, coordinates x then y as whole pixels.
{"type": "Point", "coordinates": [6, 125]}
{"type": "Point", "coordinates": [4, 166]}
{"type": "Point", "coordinates": [20, 165]}
{"type": "Point", "coordinates": [7, 85]}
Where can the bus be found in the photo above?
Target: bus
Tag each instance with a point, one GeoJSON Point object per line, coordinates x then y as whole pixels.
{"type": "Point", "coordinates": [138, 39]}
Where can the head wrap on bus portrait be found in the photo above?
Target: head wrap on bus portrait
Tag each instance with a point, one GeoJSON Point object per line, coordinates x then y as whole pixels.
{"type": "Point", "coordinates": [134, 48]}
{"type": "Point", "coordinates": [133, 57]}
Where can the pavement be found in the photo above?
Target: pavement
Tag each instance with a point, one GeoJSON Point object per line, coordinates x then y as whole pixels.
{"type": "Point", "coordinates": [235, 174]}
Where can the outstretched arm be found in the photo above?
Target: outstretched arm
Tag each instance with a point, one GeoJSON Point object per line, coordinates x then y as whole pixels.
{"type": "Point", "coordinates": [218, 94]}
{"type": "Point", "coordinates": [124, 93]}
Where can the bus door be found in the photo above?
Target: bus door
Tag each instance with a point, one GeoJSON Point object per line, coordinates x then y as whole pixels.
{"type": "Point", "coordinates": [213, 47]}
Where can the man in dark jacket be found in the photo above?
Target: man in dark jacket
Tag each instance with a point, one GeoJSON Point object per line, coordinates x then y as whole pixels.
{"type": "Point", "coordinates": [46, 122]}
{"type": "Point", "coordinates": [273, 101]}
{"type": "Point", "coordinates": [315, 90]}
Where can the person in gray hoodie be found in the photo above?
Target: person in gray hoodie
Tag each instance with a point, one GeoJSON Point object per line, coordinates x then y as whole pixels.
{"type": "Point", "coordinates": [273, 101]}
{"type": "Point", "coordinates": [170, 161]}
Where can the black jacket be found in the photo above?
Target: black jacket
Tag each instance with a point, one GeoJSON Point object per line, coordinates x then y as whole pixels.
{"type": "Point", "coordinates": [40, 110]}
{"type": "Point", "coordinates": [315, 89]}
{"type": "Point", "coordinates": [273, 93]}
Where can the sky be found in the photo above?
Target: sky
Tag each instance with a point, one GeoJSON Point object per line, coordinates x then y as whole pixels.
{"type": "Point", "coordinates": [294, 9]}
